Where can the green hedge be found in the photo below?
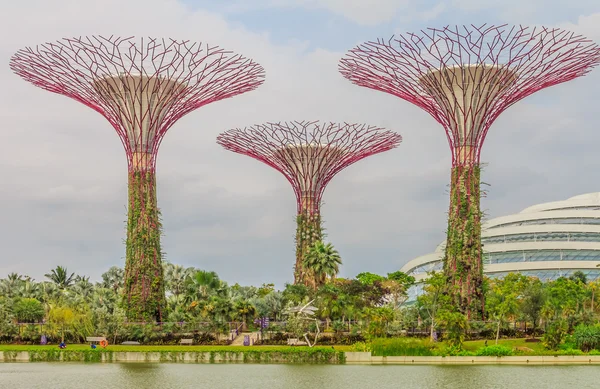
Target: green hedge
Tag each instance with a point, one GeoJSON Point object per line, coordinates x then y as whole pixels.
{"type": "Point", "coordinates": [280, 355]}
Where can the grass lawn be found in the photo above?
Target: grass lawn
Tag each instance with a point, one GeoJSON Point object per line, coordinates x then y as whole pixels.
{"type": "Point", "coordinates": [18, 347]}
{"type": "Point", "coordinates": [537, 347]}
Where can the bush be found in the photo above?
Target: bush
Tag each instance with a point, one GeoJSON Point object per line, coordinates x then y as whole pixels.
{"type": "Point", "coordinates": [494, 351]}
{"type": "Point", "coordinates": [401, 346]}
{"type": "Point", "coordinates": [587, 337]}
{"type": "Point", "coordinates": [361, 347]}
{"type": "Point", "coordinates": [571, 351]}
{"type": "Point", "coordinates": [556, 334]}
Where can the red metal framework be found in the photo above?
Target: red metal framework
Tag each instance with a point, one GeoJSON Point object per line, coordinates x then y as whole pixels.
{"type": "Point", "coordinates": [307, 153]}
{"type": "Point", "coordinates": [142, 87]}
{"type": "Point", "coordinates": [466, 76]}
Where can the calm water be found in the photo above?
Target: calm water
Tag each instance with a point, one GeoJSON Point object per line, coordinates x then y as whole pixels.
{"type": "Point", "coordinates": [167, 376]}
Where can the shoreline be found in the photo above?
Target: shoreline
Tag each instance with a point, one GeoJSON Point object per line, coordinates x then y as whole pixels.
{"type": "Point", "coordinates": [365, 358]}
{"type": "Point", "coordinates": [271, 357]}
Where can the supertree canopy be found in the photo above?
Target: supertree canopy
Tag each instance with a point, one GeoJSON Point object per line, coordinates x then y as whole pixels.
{"type": "Point", "coordinates": [309, 155]}
{"type": "Point", "coordinates": [465, 77]}
{"type": "Point", "coordinates": [142, 87]}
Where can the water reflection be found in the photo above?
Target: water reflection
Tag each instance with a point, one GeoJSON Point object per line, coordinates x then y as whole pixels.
{"type": "Point", "coordinates": [239, 376]}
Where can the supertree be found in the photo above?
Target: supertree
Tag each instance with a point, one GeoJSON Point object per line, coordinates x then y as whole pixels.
{"type": "Point", "coordinates": [142, 87]}
{"type": "Point", "coordinates": [465, 77]}
{"type": "Point", "coordinates": [309, 155]}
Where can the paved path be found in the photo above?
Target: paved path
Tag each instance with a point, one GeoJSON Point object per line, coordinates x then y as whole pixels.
{"type": "Point", "coordinates": [239, 340]}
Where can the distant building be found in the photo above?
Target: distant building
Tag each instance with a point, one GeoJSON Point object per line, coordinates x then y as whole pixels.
{"type": "Point", "coordinates": [546, 241]}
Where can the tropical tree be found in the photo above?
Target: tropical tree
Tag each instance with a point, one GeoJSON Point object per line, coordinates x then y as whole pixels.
{"type": "Point", "coordinates": [322, 262]}
{"type": "Point", "coordinates": [28, 310]}
{"type": "Point", "coordinates": [61, 278]}
{"type": "Point", "coordinates": [176, 278]}
{"type": "Point", "coordinates": [504, 298]}
{"type": "Point", "coordinates": [245, 310]}
{"type": "Point", "coordinates": [113, 278]}
{"type": "Point", "coordinates": [203, 283]}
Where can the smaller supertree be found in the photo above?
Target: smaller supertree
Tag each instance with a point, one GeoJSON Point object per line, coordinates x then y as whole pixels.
{"type": "Point", "coordinates": [308, 154]}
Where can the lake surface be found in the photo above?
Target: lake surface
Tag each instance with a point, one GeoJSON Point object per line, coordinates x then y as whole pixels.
{"type": "Point", "coordinates": [238, 376]}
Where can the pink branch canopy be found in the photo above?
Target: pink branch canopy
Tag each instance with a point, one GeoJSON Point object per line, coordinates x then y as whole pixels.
{"type": "Point", "coordinates": [307, 153]}
{"type": "Point", "coordinates": [142, 87]}
{"type": "Point", "coordinates": [465, 77]}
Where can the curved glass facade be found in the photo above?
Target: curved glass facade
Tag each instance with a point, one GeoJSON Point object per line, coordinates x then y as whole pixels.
{"type": "Point", "coordinates": [532, 256]}
{"type": "Point", "coordinates": [543, 237]}
{"type": "Point", "coordinates": [537, 222]}
{"type": "Point", "coordinates": [541, 255]}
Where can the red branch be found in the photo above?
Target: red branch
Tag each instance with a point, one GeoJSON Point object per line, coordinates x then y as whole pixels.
{"type": "Point", "coordinates": [146, 84]}
{"type": "Point", "coordinates": [465, 77]}
{"type": "Point", "coordinates": [309, 154]}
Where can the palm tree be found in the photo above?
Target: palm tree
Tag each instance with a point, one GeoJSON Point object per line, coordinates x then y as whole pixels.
{"type": "Point", "coordinates": [60, 278]}
{"type": "Point", "coordinates": [10, 285]}
{"type": "Point", "coordinates": [321, 262]}
{"type": "Point", "coordinates": [113, 278]}
{"type": "Point", "coordinates": [203, 283]}
{"type": "Point", "coordinates": [176, 277]}
{"type": "Point", "coordinates": [245, 310]}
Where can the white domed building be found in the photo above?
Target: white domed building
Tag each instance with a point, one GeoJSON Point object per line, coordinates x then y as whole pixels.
{"type": "Point", "coordinates": [546, 241]}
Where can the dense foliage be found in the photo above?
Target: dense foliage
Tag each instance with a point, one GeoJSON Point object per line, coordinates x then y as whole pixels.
{"type": "Point", "coordinates": [369, 311]}
{"type": "Point", "coordinates": [517, 306]}
{"type": "Point", "coordinates": [308, 231]}
{"type": "Point", "coordinates": [144, 283]}
{"type": "Point", "coordinates": [463, 264]}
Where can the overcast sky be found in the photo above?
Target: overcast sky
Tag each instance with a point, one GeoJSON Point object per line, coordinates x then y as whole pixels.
{"type": "Point", "coordinates": [64, 172]}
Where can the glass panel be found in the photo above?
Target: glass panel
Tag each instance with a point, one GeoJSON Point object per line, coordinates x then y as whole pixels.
{"type": "Point", "coordinates": [577, 220]}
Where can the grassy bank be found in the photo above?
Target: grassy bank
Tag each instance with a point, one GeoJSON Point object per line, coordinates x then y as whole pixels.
{"type": "Point", "coordinates": [423, 347]}
{"type": "Point", "coordinates": [209, 354]}
{"type": "Point", "coordinates": [141, 348]}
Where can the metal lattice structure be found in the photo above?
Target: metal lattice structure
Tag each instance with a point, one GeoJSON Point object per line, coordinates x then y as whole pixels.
{"type": "Point", "coordinates": [465, 77]}
{"type": "Point", "coordinates": [142, 87]}
{"type": "Point", "coordinates": [309, 155]}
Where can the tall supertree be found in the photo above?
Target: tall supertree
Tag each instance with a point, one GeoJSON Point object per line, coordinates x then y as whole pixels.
{"type": "Point", "coordinates": [465, 77]}
{"type": "Point", "coordinates": [308, 154]}
{"type": "Point", "coordinates": [142, 87]}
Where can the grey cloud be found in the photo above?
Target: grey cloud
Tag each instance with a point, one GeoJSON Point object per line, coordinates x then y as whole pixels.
{"type": "Point", "coordinates": [64, 171]}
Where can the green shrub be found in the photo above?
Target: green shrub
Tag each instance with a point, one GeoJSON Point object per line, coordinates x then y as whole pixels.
{"type": "Point", "coordinates": [494, 351]}
{"type": "Point", "coordinates": [556, 334]}
{"type": "Point", "coordinates": [594, 352]}
{"type": "Point", "coordinates": [571, 352]}
{"type": "Point", "coordinates": [587, 337]}
{"type": "Point", "coordinates": [384, 347]}
{"type": "Point", "coordinates": [361, 347]}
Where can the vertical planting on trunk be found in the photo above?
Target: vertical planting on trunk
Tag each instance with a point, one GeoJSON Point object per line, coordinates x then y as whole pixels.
{"type": "Point", "coordinates": [308, 231]}
{"type": "Point", "coordinates": [144, 297]}
{"type": "Point", "coordinates": [463, 265]}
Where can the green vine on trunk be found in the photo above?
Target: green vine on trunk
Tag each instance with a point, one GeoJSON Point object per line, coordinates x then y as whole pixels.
{"type": "Point", "coordinates": [144, 296]}
{"type": "Point", "coordinates": [309, 230]}
{"type": "Point", "coordinates": [463, 265]}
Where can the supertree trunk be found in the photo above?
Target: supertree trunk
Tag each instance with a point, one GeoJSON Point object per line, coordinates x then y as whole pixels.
{"type": "Point", "coordinates": [144, 297]}
{"type": "Point", "coordinates": [463, 257]}
{"type": "Point", "coordinates": [308, 231]}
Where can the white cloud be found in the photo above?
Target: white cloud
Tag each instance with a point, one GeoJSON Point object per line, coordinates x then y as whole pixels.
{"type": "Point", "coordinates": [360, 11]}
{"type": "Point", "coordinates": [64, 170]}
{"type": "Point", "coordinates": [587, 25]}
{"type": "Point", "coordinates": [364, 12]}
